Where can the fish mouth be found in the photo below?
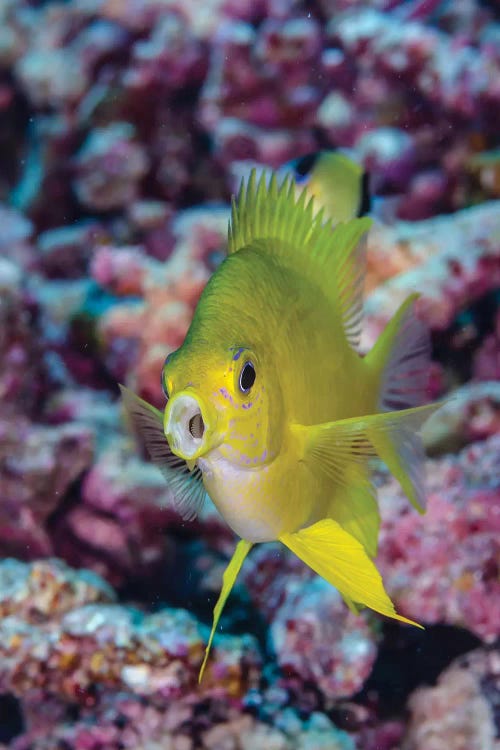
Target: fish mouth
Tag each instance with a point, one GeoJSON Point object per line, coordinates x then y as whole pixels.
{"type": "Point", "coordinates": [188, 427]}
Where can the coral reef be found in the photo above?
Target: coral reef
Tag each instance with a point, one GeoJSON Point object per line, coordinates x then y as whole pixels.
{"type": "Point", "coordinates": [304, 614]}
{"type": "Point", "coordinates": [38, 465]}
{"type": "Point", "coordinates": [471, 415]}
{"type": "Point", "coordinates": [167, 294]}
{"type": "Point", "coordinates": [461, 711]}
{"type": "Point", "coordinates": [428, 581]}
{"type": "Point", "coordinates": [130, 678]}
{"type": "Point", "coordinates": [124, 128]}
{"type": "Point", "coordinates": [312, 615]}
{"type": "Point", "coordinates": [68, 621]}
{"type": "Point", "coordinates": [451, 260]}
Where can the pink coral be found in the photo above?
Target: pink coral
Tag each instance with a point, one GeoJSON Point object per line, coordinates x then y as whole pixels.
{"type": "Point", "coordinates": [472, 414]}
{"type": "Point", "coordinates": [487, 359]}
{"type": "Point", "coordinates": [318, 641]}
{"type": "Point", "coordinates": [66, 251]}
{"type": "Point", "coordinates": [88, 640]}
{"type": "Point", "coordinates": [451, 261]}
{"type": "Point", "coordinates": [22, 370]}
{"type": "Point", "coordinates": [119, 527]}
{"type": "Point", "coordinates": [47, 589]}
{"type": "Point", "coordinates": [168, 60]}
{"type": "Point", "coordinates": [121, 270]}
{"type": "Point", "coordinates": [274, 84]}
{"type": "Point", "coordinates": [170, 293]}
{"type": "Point", "coordinates": [315, 637]}
{"type": "Point", "coordinates": [136, 111]}
{"type": "Point", "coordinates": [132, 678]}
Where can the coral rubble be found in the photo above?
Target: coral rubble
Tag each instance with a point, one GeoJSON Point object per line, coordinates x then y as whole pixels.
{"type": "Point", "coordinates": [124, 128]}
{"type": "Point", "coordinates": [460, 711]}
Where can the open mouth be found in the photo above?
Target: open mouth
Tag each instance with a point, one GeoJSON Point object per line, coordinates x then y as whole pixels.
{"type": "Point", "coordinates": [185, 426]}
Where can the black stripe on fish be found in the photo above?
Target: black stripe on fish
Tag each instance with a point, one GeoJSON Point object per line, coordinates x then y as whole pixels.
{"type": "Point", "coordinates": [304, 165]}
{"type": "Point", "coordinates": [365, 203]}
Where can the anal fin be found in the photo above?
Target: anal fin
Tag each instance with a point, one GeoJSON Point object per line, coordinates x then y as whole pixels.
{"type": "Point", "coordinates": [354, 506]}
{"type": "Point", "coordinates": [341, 560]}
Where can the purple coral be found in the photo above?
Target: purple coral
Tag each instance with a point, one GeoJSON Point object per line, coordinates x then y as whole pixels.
{"type": "Point", "coordinates": [429, 579]}
{"type": "Point", "coordinates": [109, 167]}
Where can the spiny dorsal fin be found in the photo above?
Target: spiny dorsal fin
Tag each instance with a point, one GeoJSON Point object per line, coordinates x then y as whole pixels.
{"type": "Point", "coordinates": [262, 212]}
{"type": "Point", "coordinates": [332, 257]}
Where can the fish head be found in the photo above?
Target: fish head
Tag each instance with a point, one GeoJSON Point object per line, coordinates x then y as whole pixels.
{"type": "Point", "coordinates": [225, 398]}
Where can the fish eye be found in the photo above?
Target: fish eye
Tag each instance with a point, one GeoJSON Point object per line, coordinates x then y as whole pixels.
{"type": "Point", "coordinates": [247, 377]}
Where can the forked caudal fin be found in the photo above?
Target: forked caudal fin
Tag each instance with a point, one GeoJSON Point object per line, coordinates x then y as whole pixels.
{"type": "Point", "coordinates": [400, 363]}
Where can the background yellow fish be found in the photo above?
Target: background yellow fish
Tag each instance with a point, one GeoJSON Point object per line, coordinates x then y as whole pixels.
{"type": "Point", "coordinates": [338, 184]}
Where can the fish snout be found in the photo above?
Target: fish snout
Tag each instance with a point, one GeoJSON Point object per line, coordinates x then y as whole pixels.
{"type": "Point", "coordinates": [186, 425]}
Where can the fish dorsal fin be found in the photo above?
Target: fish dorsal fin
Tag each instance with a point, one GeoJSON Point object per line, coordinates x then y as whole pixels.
{"type": "Point", "coordinates": [332, 257]}
{"type": "Point", "coordinates": [348, 268]}
{"type": "Point", "coordinates": [262, 212]}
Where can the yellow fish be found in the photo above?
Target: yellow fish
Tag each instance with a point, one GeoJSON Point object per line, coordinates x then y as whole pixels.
{"type": "Point", "coordinates": [271, 410]}
{"type": "Point", "coordinates": [337, 183]}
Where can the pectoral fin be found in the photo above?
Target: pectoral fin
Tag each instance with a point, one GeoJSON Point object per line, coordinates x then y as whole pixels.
{"type": "Point", "coordinates": [228, 580]}
{"type": "Point", "coordinates": [341, 560]}
{"type": "Point", "coordinates": [342, 448]}
{"type": "Point", "coordinates": [183, 478]}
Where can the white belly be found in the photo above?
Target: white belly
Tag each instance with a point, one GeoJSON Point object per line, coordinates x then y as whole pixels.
{"type": "Point", "coordinates": [260, 503]}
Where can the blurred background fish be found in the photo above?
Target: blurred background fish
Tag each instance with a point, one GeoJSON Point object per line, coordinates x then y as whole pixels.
{"type": "Point", "coordinates": [337, 182]}
{"type": "Point", "coordinates": [336, 179]}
